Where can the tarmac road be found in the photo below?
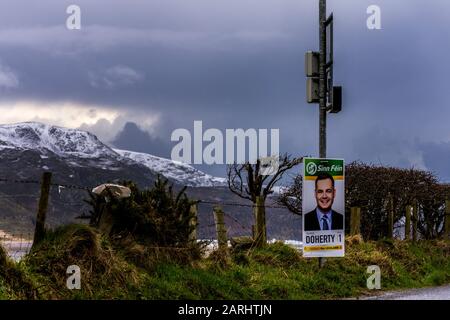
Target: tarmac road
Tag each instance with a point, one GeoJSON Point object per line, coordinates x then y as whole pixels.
{"type": "Point", "coordinates": [435, 293]}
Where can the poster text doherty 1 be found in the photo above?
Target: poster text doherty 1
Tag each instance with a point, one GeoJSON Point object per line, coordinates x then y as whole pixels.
{"type": "Point", "coordinates": [323, 207]}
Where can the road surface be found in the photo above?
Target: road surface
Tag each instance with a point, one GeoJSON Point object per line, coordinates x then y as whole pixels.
{"type": "Point", "coordinates": [435, 293]}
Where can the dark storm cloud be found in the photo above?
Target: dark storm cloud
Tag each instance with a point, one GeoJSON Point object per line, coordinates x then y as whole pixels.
{"type": "Point", "coordinates": [134, 138]}
{"type": "Point", "coordinates": [436, 157]}
{"type": "Point", "coordinates": [194, 59]}
{"type": "Point", "coordinates": [239, 64]}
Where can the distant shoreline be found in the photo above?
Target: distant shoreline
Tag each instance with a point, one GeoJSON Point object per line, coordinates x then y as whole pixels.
{"type": "Point", "coordinates": [16, 247]}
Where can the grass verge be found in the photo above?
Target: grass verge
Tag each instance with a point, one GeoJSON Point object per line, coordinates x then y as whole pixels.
{"type": "Point", "coordinates": [124, 270]}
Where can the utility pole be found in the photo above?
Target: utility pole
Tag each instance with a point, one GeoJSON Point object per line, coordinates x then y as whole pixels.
{"type": "Point", "coordinates": [319, 73]}
{"type": "Point", "coordinates": [322, 79]}
{"type": "Point", "coordinates": [322, 88]}
{"type": "Point", "coordinates": [319, 84]}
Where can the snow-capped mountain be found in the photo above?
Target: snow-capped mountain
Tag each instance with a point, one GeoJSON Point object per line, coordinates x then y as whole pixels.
{"type": "Point", "coordinates": [178, 171]}
{"type": "Point", "coordinates": [80, 149]}
{"type": "Point", "coordinates": [78, 158]}
{"type": "Point", "coordinates": [61, 141]}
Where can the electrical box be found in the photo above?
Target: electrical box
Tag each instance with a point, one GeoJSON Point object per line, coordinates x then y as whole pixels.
{"type": "Point", "coordinates": [312, 90]}
{"type": "Point", "coordinates": [336, 105]}
{"type": "Point", "coordinates": [312, 64]}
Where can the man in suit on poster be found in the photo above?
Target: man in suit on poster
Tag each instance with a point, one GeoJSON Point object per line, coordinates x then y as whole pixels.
{"type": "Point", "coordinates": [323, 217]}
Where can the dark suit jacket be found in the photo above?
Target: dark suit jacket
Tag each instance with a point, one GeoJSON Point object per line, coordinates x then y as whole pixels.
{"type": "Point", "coordinates": [312, 223]}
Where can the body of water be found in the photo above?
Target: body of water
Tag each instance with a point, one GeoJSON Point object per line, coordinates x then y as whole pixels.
{"type": "Point", "coordinates": [15, 247]}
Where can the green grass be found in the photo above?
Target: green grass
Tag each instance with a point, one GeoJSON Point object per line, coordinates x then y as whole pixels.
{"type": "Point", "coordinates": [274, 272]}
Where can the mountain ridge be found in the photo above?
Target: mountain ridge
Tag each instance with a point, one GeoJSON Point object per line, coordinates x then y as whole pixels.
{"type": "Point", "coordinates": [75, 143]}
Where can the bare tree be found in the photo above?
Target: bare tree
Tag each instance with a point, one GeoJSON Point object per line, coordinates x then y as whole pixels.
{"type": "Point", "coordinates": [251, 181]}
{"type": "Point", "coordinates": [291, 198]}
{"type": "Point", "coordinates": [248, 180]}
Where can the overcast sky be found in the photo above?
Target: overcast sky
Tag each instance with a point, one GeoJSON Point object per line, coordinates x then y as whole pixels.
{"type": "Point", "coordinates": [139, 69]}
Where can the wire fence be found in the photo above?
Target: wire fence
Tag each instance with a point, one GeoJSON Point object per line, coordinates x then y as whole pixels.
{"type": "Point", "coordinates": [67, 201]}
{"type": "Point", "coordinates": [16, 230]}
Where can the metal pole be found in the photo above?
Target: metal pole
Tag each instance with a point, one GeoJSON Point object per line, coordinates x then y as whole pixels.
{"type": "Point", "coordinates": [322, 88]}
{"type": "Point", "coordinates": [322, 80]}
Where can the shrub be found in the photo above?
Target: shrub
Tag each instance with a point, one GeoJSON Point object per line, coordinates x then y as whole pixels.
{"type": "Point", "coordinates": [154, 216]}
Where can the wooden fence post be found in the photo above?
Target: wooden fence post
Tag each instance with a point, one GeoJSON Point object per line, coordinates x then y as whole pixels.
{"type": "Point", "coordinates": [39, 231]}
{"type": "Point", "coordinates": [390, 234]}
{"type": "Point", "coordinates": [408, 223]}
{"type": "Point", "coordinates": [415, 217]}
{"type": "Point", "coordinates": [193, 223]}
{"type": "Point", "coordinates": [220, 228]}
{"type": "Point", "coordinates": [355, 221]}
{"type": "Point", "coordinates": [447, 220]}
{"type": "Point", "coordinates": [260, 222]}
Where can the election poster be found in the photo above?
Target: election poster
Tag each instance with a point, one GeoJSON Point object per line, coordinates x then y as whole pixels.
{"type": "Point", "coordinates": [323, 207]}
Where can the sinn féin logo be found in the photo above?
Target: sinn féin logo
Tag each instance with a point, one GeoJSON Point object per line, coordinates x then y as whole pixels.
{"type": "Point", "coordinates": [311, 168]}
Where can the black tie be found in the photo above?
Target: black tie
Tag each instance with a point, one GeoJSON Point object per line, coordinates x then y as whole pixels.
{"type": "Point", "coordinates": [325, 223]}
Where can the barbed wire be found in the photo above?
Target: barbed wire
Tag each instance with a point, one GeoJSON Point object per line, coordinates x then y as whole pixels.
{"type": "Point", "coordinates": [61, 186]}
{"type": "Point", "coordinates": [83, 188]}
{"type": "Point", "coordinates": [213, 225]}
{"type": "Point", "coordinates": [53, 184]}
{"type": "Point", "coordinates": [19, 196]}
{"type": "Point", "coordinates": [240, 204]}
{"type": "Point", "coordinates": [70, 186]}
{"type": "Point", "coordinates": [207, 226]}
{"type": "Point", "coordinates": [239, 224]}
{"type": "Point", "coordinates": [76, 204]}
{"type": "Point", "coordinates": [19, 181]}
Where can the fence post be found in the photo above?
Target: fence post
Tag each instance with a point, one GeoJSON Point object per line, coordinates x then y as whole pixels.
{"type": "Point", "coordinates": [260, 221]}
{"type": "Point", "coordinates": [414, 219]}
{"type": "Point", "coordinates": [390, 234]}
{"type": "Point", "coordinates": [193, 223]}
{"type": "Point", "coordinates": [408, 223]}
{"type": "Point", "coordinates": [355, 221]}
{"type": "Point", "coordinates": [39, 231]}
{"type": "Point", "coordinates": [220, 228]}
{"type": "Point", "coordinates": [447, 220]}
